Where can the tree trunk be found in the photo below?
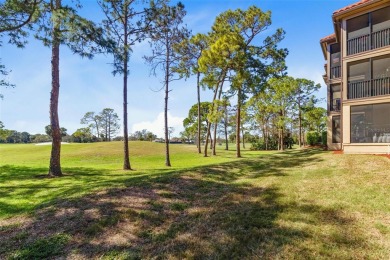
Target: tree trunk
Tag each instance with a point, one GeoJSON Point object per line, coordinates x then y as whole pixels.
{"type": "Point", "coordinates": [106, 129]}
{"type": "Point", "coordinates": [226, 132]}
{"type": "Point", "coordinates": [243, 137]}
{"type": "Point", "coordinates": [221, 79]}
{"type": "Point", "coordinates": [264, 137]}
{"type": "Point", "coordinates": [207, 139]}
{"type": "Point", "coordinates": [109, 130]}
{"type": "Point", "coordinates": [55, 157]}
{"type": "Point", "coordinates": [300, 125]}
{"type": "Point", "coordinates": [167, 160]}
{"type": "Point", "coordinates": [97, 129]}
{"type": "Point", "coordinates": [215, 138]}
{"type": "Point", "coordinates": [281, 133]}
{"type": "Point", "coordinates": [211, 141]}
{"type": "Point", "coordinates": [238, 124]}
{"type": "Point", "coordinates": [216, 123]}
{"type": "Point", "coordinates": [126, 159]}
{"type": "Point", "coordinates": [199, 119]}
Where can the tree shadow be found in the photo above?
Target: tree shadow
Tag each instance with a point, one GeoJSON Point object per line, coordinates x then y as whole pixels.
{"type": "Point", "coordinates": [199, 213]}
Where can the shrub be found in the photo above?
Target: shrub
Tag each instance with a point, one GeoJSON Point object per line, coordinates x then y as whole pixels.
{"type": "Point", "coordinates": [324, 138]}
{"type": "Point", "coordinates": [313, 138]}
{"type": "Point", "coordinates": [259, 144]}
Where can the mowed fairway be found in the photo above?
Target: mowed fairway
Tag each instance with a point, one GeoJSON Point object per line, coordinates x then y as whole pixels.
{"type": "Point", "coordinates": [299, 204]}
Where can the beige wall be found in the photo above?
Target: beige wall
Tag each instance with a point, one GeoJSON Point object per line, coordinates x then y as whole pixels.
{"type": "Point", "coordinates": [346, 124]}
{"type": "Point", "coordinates": [331, 146]}
{"type": "Point", "coordinates": [367, 148]}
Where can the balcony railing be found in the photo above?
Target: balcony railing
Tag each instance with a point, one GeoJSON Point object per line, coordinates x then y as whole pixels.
{"type": "Point", "coordinates": [368, 42]}
{"type": "Point", "coordinates": [335, 72]}
{"type": "Point", "coordinates": [381, 38]}
{"type": "Point", "coordinates": [369, 88]}
{"type": "Point", "coordinates": [358, 44]}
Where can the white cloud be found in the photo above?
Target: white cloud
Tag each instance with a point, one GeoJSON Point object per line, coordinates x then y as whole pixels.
{"type": "Point", "coordinates": [157, 125]}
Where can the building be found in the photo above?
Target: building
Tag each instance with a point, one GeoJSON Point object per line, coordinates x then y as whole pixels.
{"type": "Point", "coordinates": [357, 75]}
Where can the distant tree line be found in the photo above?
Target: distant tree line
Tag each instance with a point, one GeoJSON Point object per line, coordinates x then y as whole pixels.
{"type": "Point", "coordinates": [285, 112]}
{"type": "Point", "coordinates": [101, 127]}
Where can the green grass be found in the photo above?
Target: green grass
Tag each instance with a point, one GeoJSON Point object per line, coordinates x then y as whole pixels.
{"type": "Point", "coordinates": [23, 169]}
{"type": "Point", "coordinates": [299, 204]}
{"type": "Point", "coordinates": [42, 248]}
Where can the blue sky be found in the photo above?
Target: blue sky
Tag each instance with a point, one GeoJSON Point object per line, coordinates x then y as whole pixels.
{"type": "Point", "coordinates": [88, 85]}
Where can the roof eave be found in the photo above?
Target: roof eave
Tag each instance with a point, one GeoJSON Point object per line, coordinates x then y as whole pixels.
{"type": "Point", "coordinates": [341, 14]}
{"type": "Point", "coordinates": [324, 44]}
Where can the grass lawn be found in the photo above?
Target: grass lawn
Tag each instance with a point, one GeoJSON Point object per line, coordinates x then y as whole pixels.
{"type": "Point", "coordinates": [299, 204]}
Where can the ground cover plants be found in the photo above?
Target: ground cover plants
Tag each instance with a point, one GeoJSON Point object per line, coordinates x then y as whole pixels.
{"type": "Point", "coordinates": [301, 203]}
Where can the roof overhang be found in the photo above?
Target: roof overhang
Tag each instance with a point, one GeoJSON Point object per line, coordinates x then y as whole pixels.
{"type": "Point", "coordinates": [325, 42]}
{"type": "Point", "coordinates": [351, 10]}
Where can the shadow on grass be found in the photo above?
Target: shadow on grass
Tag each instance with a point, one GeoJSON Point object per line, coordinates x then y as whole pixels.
{"type": "Point", "coordinates": [195, 213]}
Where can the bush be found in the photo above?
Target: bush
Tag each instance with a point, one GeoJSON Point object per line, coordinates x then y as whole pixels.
{"type": "Point", "coordinates": [324, 138]}
{"type": "Point", "coordinates": [313, 138]}
{"type": "Point", "coordinates": [259, 144]}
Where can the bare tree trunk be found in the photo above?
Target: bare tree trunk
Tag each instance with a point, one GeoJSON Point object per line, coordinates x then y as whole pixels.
{"type": "Point", "coordinates": [281, 133]}
{"type": "Point", "coordinates": [221, 79]}
{"type": "Point", "coordinates": [238, 124]}
{"type": "Point", "coordinates": [207, 138]}
{"type": "Point", "coordinates": [167, 160]}
{"type": "Point", "coordinates": [109, 130]}
{"type": "Point", "coordinates": [126, 159]}
{"type": "Point", "coordinates": [243, 137]}
{"type": "Point", "coordinates": [281, 139]}
{"type": "Point", "coordinates": [211, 141]}
{"type": "Point", "coordinates": [216, 123]}
{"type": "Point", "coordinates": [199, 119]}
{"type": "Point", "coordinates": [106, 131]}
{"type": "Point", "coordinates": [215, 138]}
{"type": "Point", "coordinates": [97, 129]}
{"type": "Point", "coordinates": [126, 154]}
{"type": "Point", "coordinates": [55, 157]}
{"type": "Point", "coordinates": [300, 125]}
{"type": "Point", "coordinates": [226, 132]}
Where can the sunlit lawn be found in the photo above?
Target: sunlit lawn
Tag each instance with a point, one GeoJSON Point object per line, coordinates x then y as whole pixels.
{"type": "Point", "coordinates": [23, 170]}
{"type": "Point", "coordinates": [300, 204]}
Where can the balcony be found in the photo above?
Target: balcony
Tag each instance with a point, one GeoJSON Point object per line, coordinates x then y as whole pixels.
{"type": "Point", "coordinates": [369, 88]}
{"type": "Point", "coordinates": [368, 31]}
{"type": "Point", "coordinates": [335, 72]}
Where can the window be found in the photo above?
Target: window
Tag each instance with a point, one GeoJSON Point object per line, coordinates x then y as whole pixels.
{"type": "Point", "coordinates": [359, 71]}
{"type": "Point", "coordinates": [336, 129]}
{"type": "Point", "coordinates": [335, 97]}
{"type": "Point", "coordinates": [370, 123]}
{"type": "Point", "coordinates": [381, 67]}
{"type": "Point", "coordinates": [335, 54]}
{"type": "Point", "coordinates": [335, 67]}
{"type": "Point", "coordinates": [381, 19]}
{"type": "Point", "coordinates": [358, 26]}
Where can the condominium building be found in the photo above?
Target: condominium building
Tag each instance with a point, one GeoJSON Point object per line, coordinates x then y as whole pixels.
{"type": "Point", "coordinates": [357, 76]}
